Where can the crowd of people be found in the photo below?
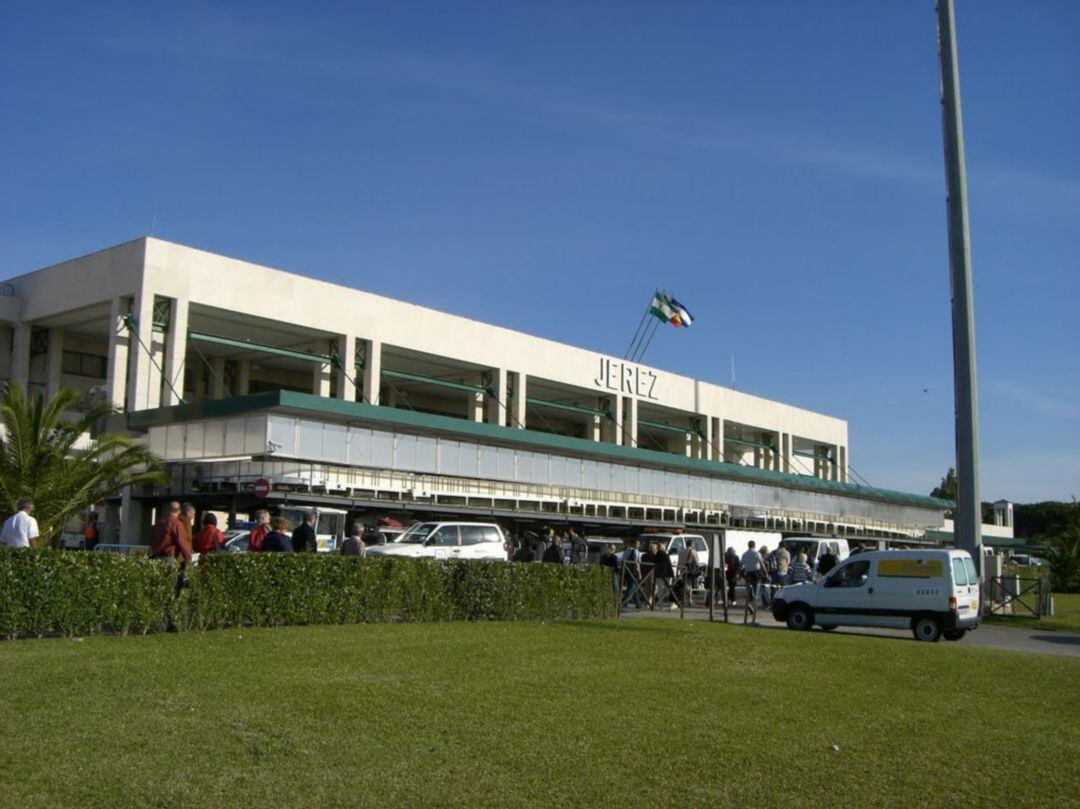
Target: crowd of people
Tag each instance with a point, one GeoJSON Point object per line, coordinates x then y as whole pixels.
{"type": "Point", "coordinates": [175, 536]}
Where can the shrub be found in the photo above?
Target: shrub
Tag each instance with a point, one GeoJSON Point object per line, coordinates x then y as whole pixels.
{"type": "Point", "coordinates": [56, 592]}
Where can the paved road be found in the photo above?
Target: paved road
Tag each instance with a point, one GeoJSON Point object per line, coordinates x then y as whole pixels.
{"type": "Point", "coordinates": [987, 637]}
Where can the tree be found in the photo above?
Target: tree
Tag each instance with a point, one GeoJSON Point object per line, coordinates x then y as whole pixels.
{"type": "Point", "coordinates": [1063, 552]}
{"type": "Point", "coordinates": [47, 458]}
{"type": "Point", "coordinates": [946, 490]}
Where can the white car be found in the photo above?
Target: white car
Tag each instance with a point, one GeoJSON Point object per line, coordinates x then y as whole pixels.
{"type": "Point", "coordinates": [447, 540]}
{"type": "Point", "coordinates": [932, 592]}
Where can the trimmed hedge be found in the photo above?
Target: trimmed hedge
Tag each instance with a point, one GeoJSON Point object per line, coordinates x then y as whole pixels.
{"type": "Point", "coordinates": [57, 592]}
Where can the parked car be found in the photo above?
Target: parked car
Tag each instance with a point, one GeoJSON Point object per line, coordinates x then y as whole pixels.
{"type": "Point", "coordinates": [447, 540]}
{"type": "Point", "coordinates": [1027, 560]}
{"type": "Point", "coordinates": [932, 592]}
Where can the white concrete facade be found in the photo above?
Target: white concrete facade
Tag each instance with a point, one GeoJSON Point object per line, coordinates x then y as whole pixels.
{"type": "Point", "coordinates": [519, 379]}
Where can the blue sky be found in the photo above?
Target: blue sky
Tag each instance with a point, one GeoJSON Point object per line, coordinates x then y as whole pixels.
{"type": "Point", "coordinates": [775, 165]}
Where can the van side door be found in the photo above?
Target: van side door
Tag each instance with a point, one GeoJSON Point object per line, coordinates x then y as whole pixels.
{"type": "Point", "coordinates": [844, 595]}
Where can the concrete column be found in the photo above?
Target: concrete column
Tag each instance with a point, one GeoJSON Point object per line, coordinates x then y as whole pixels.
{"type": "Point", "coordinates": [707, 428]}
{"type": "Point", "coordinates": [321, 376]}
{"type": "Point", "coordinates": [217, 378]}
{"type": "Point", "coordinates": [475, 400]}
{"type": "Point", "coordinates": [520, 396]}
{"type": "Point", "coordinates": [498, 406]}
{"type": "Point", "coordinates": [117, 371]}
{"type": "Point", "coordinates": [176, 351]}
{"type": "Point", "coordinates": [834, 471]}
{"type": "Point", "coordinates": [716, 437]}
{"type": "Point", "coordinates": [785, 452]}
{"type": "Point", "coordinates": [373, 371]}
{"type": "Point", "coordinates": [629, 422]}
{"type": "Point", "coordinates": [20, 354]}
{"type": "Point", "coordinates": [346, 375]}
{"type": "Point", "coordinates": [142, 376]}
{"type": "Point", "coordinates": [243, 377]}
{"type": "Point", "coordinates": [843, 464]}
{"type": "Point", "coordinates": [595, 429]}
{"type": "Point", "coordinates": [53, 360]}
{"type": "Point", "coordinates": [134, 521]}
{"type": "Point", "coordinates": [617, 428]}
{"type": "Point", "coordinates": [688, 445]}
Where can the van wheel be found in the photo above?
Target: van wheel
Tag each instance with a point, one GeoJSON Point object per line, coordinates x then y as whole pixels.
{"type": "Point", "coordinates": [927, 629]}
{"type": "Point", "coordinates": [799, 619]}
{"type": "Point", "coordinates": [955, 634]}
{"type": "Point", "coordinates": [828, 627]}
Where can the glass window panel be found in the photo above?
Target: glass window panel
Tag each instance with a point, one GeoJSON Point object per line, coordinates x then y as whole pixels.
{"type": "Point", "coordinates": [505, 464]}
{"type": "Point", "coordinates": [359, 446]}
{"type": "Point", "coordinates": [234, 436]}
{"type": "Point", "coordinates": [196, 431]}
{"type": "Point", "coordinates": [588, 474]}
{"type": "Point", "coordinates": [382, 449]}
{"type": "Point", "coordinates": [404, 451]}
{"type": "Point", "coordinates": [174, 441]}
{"type": "Point", "coordinates": [335, 448]}
{"type": "Point", "coordinates": [310, 444]}
{"type": "Point", "coordinates": [282, 432]}
{"type": "Point", "coordinates": [427, 450]}
{"type": "Point", "coordinates": [488, 458]}
{"type": "Point", "coordinates": [214, 439]}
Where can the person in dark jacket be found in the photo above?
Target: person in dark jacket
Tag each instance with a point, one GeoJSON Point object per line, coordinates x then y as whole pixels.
{"type": "Point", "coordinates": [554, 554]}
{"type": "Point", "coordinates": [277, 541]}
{"type": "Point", "coordinates": [303, 538]}
{"type": "Point", "coordinates": [827, 562]}
{"type": "Point", "coordinates": [664, 573]}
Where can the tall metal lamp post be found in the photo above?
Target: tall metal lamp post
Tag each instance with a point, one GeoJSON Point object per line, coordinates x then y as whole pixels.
{"type": "Point", "coordinates": [968, 525]}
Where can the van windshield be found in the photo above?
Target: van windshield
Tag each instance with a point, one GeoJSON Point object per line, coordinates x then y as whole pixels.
{"type": "Point", "coordinates": [417, 533]}
{"type": "Point", "coordinates": [797, 546]}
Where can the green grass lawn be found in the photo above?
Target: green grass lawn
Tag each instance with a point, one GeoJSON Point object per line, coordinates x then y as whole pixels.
{"type": "Point", "coordinates": [633, 713]}
{"type": "Point", "coordinates": [1066, 617]}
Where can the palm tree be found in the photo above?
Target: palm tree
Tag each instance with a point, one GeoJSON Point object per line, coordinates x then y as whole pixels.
{"type": "Point", "coordinates": [48, 458]}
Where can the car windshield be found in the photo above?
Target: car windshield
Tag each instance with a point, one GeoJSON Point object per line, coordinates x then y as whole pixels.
{"type": "Point", "coordinates": [417, 533]}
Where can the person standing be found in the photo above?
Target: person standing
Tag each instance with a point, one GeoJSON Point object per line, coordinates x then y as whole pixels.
{"type": "Point", "coordinates": [209, 538]}
{"type": "Point", "coordinates": [753, 568]}
{"type": "Point", "coordinates": [187, 520]}
{"type": "Point", "coordinates": [354, 543]}
{"type": "Point", "coordinates": [554, 555]}
{"type": "Point", "coordinates": [92, 532]}
{"type": "Point", "coordinates": [688, 570]}
{"type": "Point", "coordinates": [304, 538]}
{"type": "Point", "coordinates": [20, 529]}
{"type": "Point", "coordinates": [632, 571]}
{"type": "Point", "coordinates": [731, 573]}
{"type": "Point", "coordinates": [169, 541]}
{"type": "Point", "coordinates": [828, 561]}
{"type": "Point", "coordinates": [664, 574]}
{"type": "Point", "coordinates": [799, 571]}
{"type": "Point", "coordinates": [277, 541]}
{"type": "Point", "coordinates": [261, 529]}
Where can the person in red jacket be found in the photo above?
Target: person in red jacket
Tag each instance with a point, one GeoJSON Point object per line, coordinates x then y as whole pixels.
{"type": "Point", "coordinates": [209, 539]}
{"type": "Point", "coordinates": [261, 529]}
{"type": "Point", "coordinates": [169, 539]}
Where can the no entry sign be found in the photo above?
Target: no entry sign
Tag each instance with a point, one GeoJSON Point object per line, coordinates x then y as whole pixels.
{"type": "Point", "coordinates": [261, 487]}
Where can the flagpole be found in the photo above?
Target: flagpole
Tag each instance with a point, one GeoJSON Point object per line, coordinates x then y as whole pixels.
{"type": "Point", "coordinates": [637, 331]}
{"type": "Point", "coordinates": [647, 343]}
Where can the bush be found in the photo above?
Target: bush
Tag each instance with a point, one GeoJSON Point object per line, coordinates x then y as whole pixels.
{"type": "Point", "coordinates": [57, 592]}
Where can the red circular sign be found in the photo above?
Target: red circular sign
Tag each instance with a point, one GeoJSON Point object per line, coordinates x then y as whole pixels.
{"type": "Point", "coordinates": [261, 487]}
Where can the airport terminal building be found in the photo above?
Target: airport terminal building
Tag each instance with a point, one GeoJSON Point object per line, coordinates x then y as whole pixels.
{"type": "Point", "coordinates": [262, 386]}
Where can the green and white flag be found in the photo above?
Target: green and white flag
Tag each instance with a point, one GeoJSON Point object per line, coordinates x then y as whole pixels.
{"type": "Point", "coordinates": [661, 308]}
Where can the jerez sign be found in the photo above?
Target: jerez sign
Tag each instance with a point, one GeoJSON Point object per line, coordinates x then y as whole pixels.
{"type": "Point", "coordinates": [622, 377]}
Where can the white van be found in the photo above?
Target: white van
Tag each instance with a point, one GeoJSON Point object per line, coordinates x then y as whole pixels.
{"type": "Point", "coordinates": [932, 592]}
{"type": "Point", "coordinates": [447, 540]}
{"type": "Point", "coordinates": [815, 548]}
